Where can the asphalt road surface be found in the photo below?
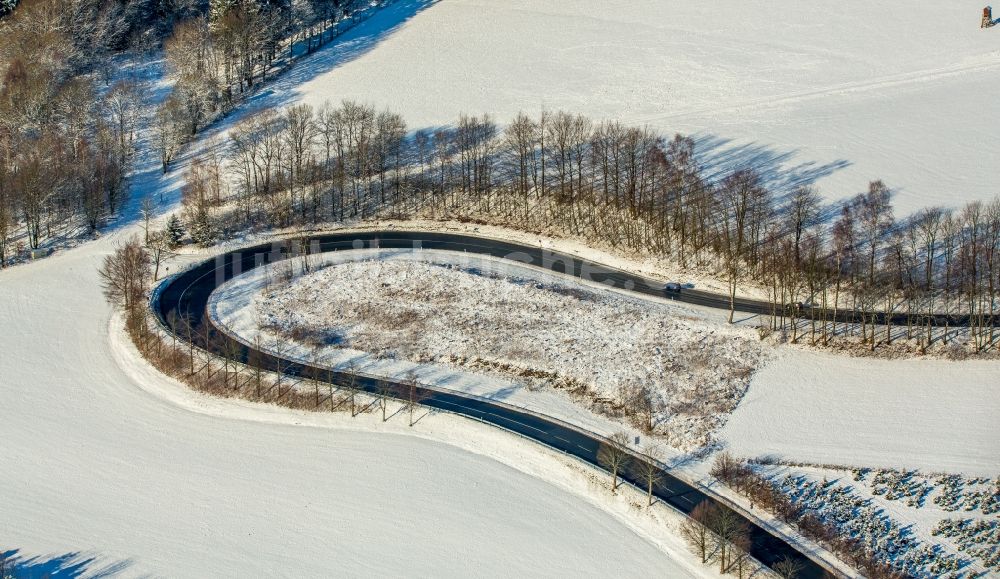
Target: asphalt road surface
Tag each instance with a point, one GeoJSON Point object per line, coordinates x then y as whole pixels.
{"type": "Point", "coordinates": [186, 295]}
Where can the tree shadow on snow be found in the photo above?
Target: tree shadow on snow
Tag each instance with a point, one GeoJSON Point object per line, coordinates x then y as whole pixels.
{"type": "Point", "coordinates": [280, 90]}
{"type": "Point", "coordinates": [65, 566]}
{"type": "Point", "coordinates": [779, 170]}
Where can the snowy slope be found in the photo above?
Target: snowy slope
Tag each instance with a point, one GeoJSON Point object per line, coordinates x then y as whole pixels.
{"type": "Point", "coordinates": [93, 460]}
{"type": "Point", "coordinates": [108, 468]}
{"type": "Point", "coordinates": [838, 94]}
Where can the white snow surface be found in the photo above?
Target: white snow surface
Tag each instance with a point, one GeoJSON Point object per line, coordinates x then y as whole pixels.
{"type": "Point", "coordinates": [104, 460]}
{"type": "Point", "coordinates": [447, 315]}
{"type": "Point", "coordinates": [910, 499]}
{"type": "Point", "coordinates": [836, 94]}
{"type": "Point", "coordinates": [823, 408]}
{"type": "Point", "coordinates": [107, 468]}
{"type": "Point", "coordinates": [139, 476]}
{"type": "Point", "coordinates": [801, 405]}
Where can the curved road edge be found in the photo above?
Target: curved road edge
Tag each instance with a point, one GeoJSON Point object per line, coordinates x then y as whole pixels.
{"type": "Point", "coordinates": [187, 293]}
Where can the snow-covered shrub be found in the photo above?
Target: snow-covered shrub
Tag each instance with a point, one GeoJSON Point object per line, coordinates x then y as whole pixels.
{"type": "Point", "coordinates": [950, 496]}
{"type": "Point", "coordinates": [979, 538]}
{"type": "Point", "coordinates": [897, 485]}
{"type": "Point", "coordinates": [861, 519]}
{"type": "Point", "coordinates": [974, 494]}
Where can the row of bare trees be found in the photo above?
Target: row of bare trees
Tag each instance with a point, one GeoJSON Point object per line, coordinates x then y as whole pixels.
{"type": "Point", "coordinates": [716, 534]}
{"type": "Point", "coordinates": [632, 189]}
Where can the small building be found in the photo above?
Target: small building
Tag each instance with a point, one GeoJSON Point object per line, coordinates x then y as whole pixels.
{"type": "Point", "coordinates": [40, 252]}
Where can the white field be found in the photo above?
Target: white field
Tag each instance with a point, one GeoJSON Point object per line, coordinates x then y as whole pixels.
{"type": "Point", "coordinates": [400, 313]}
{"type": "Point", "coordinates": [128, 469]}
{"type": "Point", "coordinates": [801, 405]}
{"type": "Point", "coordinates": [838, 94]}
{"type": "Point", "coordinates": [107, 468]}
{"type": "Point", "coordinates": [823, 408]}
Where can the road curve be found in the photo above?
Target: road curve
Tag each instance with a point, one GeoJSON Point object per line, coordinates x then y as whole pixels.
{"type": "Point", "coordinates": [187, 293]}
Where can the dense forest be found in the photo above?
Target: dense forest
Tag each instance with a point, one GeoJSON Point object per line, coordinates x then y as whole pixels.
{"type": "Point", "coordinates": [69, 120]}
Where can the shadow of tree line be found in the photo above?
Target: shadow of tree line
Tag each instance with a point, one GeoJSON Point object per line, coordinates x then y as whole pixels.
{"type": "Point", "coordinates": [15, 565]}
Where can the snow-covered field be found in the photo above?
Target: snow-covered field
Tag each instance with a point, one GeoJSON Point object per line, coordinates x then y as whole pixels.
{"type": "Point", "coordinates": [494, 329]}
{"type": "Point", "coordinates": [832, 94]}
{"type": "Point", "coordinates": [105, 460]}
{"type": "Point", "coordinates": [802, 405]}
{"type": "Point", "coordinates": [109, 469]}
{"type": "Point", "coordinates": [105, 464]}
{"type": "Point", "coordinates": [551, 339]}
{"type": "Point", "coordinates": [934, 415]}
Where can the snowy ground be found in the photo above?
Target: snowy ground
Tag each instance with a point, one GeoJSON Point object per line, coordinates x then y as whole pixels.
{"type": "Point", "coordinates": [108, 468]}
{"type": "Point", "coordinates": [553, 341]}
{"type": "Point", "coordinates": [105, 458]}
{"type": "Point", "coordinates": [836, 95]}
{"type": "Point", "coordinates": [919, 421]}
{"type": "Point", "coordinates": [802, 406]}
{"type": "Point", "coordinates": [111, 463]}
{"type": "Point", "coordinates": [934, 415]}
{"type": "Point", "coordinates": [460, 316]}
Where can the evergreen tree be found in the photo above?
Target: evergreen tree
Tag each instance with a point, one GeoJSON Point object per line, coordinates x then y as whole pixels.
{"type": "Point", "coordinates": [201, 229]}
{"type": "Point", "coordinates": [7, 6]}
{"type": "Point", "coordinates": [175, 231]}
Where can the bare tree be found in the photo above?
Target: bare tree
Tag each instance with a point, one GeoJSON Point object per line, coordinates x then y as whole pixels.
{"type": "Point", "coordinates": [300, 134]}
{"type": "Point", "coordinates": [787, 568]}
{"type": "Point", "coordinates": [313, 373]}
{"type": "Point", "coordinates": [740, 562]}
{"type": "Point", "coordinates": [231, 351]}
{"type": "Point", "coordinates": [694, 529]}
{"type": "Point", "coordinates": [147, 211]}
{"type": "Point", "coordinates": [125, 275]}
{"type": "Point", "coordinates": [414, 393]}
{"type": "Point", "coordinates": [351, 371]}
{"type": "Point", "coordinates": [642, 405]}
{"type": "Point", "coordinates": [185, 326]}
{"type": "Point", "coordinates": [741, 196]}
{"type": "Point", "coordinates": [7, 208]}
{"type": "Point", "coordinates": [158, 245]}
{"type": "Point", "coordinates": [122, 105]}
{"type": "Point", "coordinates": [727, 528]}
{"type": "Point", "coordinates": [169, 135]}
{"type": "Point", "coordinates": [803, 213]}
{"type": "Point", "coordinates": [385, 390]}
{"type": "Point", "coordinates": [613, 455]}
{"type": "Point", "coordinates": [726, 467]}
{"type": "Point", "coordinates": [649, 469]}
